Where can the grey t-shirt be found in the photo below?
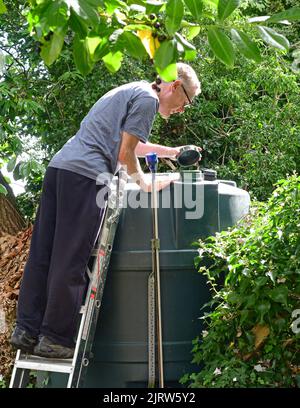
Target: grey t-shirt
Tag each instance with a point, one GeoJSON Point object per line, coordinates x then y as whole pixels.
{"type": "Point", "coordinates": [95, 147]}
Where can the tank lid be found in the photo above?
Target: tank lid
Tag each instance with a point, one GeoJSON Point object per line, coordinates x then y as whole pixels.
{"type": "Point", "coordinates": [188, 156]}
{"type": "Point", "coordinates": [209, 174]}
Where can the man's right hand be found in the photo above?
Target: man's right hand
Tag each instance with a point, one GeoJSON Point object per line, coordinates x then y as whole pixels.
{"type": "Point", "coordinates": [161, 182]}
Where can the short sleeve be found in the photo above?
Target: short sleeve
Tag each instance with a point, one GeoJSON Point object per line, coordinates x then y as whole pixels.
{"type": "Point", "coordinates": [140, 117]}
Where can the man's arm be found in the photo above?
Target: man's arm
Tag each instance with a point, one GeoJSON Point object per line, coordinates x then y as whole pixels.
{"type": "Point", "coordinates": [128, 158]}
{"type": "Point", "coordinates": [162, 151]}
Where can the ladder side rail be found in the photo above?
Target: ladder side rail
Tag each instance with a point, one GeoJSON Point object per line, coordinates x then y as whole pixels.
{"type": "Point", "coordinates": [19, 377]}
{"type": "Point", "coordinates": [98, 300]}
{"type": "Point", "coordinates": [99, 273]}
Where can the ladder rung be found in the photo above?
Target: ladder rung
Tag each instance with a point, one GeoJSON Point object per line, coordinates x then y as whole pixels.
{"type": "Point", "coordinates": [39, 364]}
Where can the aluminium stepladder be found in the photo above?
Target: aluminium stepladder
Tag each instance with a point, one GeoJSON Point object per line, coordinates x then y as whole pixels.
{"type": "Point", "coordinates": [77, 366]}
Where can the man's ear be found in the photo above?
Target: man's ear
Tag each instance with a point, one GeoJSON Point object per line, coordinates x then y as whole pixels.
{"type": "Point", "coordinates": [176, 84]}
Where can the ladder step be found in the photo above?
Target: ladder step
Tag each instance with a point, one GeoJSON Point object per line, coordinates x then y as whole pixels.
{"type": "Point", "coordinates": [41, 364]}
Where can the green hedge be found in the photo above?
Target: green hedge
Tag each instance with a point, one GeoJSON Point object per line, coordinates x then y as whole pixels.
{"type": "Point", "coordinates": [253, 326]}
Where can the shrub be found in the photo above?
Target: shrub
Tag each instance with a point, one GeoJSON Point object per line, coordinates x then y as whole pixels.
{"type": "Point", "coordinates": [251, 338]}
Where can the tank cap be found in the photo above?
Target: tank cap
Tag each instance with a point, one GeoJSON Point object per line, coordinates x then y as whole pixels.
{"type": "Point", "coordinates": [188, 156]}
{"type": "Point", "coordinates": [209, 174]}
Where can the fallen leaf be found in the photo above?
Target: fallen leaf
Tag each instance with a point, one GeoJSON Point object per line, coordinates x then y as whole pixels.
{"type": "Point", "coordinates": [260, 332]}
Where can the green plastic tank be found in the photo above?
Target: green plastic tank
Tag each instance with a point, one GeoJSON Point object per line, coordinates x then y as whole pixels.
{"type": "Point", "coordinates": [194, 207]}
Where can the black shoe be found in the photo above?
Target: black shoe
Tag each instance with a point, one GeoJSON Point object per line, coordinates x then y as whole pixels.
{"type": "Point", "coordinates": [20, 339]}
{"type": "Point", "coordinates": [47, 348]}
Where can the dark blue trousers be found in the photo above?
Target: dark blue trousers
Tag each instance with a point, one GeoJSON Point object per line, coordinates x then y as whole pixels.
{"type": "Point", "coordinates": [54, 280]}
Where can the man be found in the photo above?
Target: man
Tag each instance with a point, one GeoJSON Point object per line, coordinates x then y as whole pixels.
{"type": "Point", "coordinates": [114, 132]}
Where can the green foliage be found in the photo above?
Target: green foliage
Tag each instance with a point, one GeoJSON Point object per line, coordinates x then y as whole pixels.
{"type": "Point", "coordinates": [2, 383]}
{"type": "Point", "coordinates": [249, 341]}
{"type": "Point", "coordinates": [28, 201]}
{"type": "Point", "coordinates": [53, 22]}
{"type": "Point", "coordinates": [3, 189]}
{"type": "Point", "coordinates": [246, 119]}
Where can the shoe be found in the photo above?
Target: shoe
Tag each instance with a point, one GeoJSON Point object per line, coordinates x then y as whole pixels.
{"type": "Point", "coordinates": [47, 348]}
{"type": "Point", "coordinates": [20, 339]}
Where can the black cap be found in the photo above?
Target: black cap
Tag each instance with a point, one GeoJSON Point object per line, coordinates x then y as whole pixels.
{"type": "Point", "coordinates": [188, 156]}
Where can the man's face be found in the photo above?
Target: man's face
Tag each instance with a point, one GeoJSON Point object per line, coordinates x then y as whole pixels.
{"type": "Point", "coordinates": [175, 101]}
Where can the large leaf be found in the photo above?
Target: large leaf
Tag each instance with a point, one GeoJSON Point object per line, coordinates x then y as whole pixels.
{"type": "Point", "coordinates": [273, 38]}
{"type": "Point", "coordinates": [174, 14]}
{"type": "Point", "coordinates": [78, 25]}
{"type": "Point", "coordinates": [113, 61]}
{"type": "Point", "coordinates": [24, 169]}
{"type": "Point", "coordinates": [92, 44]}
{"type": "Point", "coordinates": [279, 294]}
{"type": "Point", "coordinates": [221, 46]}
{"type": "Point", "coordinates": [169, 73]}
{"type": "Point", "coordinates": [102, 49]}
{"type": "Point", "coordinates": [111, 5]}
{"type": "Point", "coordinates": [195, 7]}
{"type": "Point", "coordinates": [226, 7]}
{"type": "Point", "coordinates": [184, 42]}
{"type": "Point", "coordinates": [150, 43]}
{"type": "Point", "coordinates": [153, 6]}
{"type": "Point", "coordinates": [258, 19]}
{"type": "Point", "coordinates": [189, 50]}
{"type": "Point", "coordinates": [292, 14]}
{"type": "Point", "coordinates": [3, 189]}
{"type": "Point", "coordinates": [52, 48]}
{"type": "Point", "coordinates": [245, 45]}
{"type": "Point", "coordinates": [3, 8]}
{"type": "Point", "coordinates": [133, 45]}
{"type": "Point", "coordinates": [16, 173]}
{"type": "Point", "coordinates": [192, 32]}
{"type": "Point", "coordinates": [165, 54]}
{"type": "Point", "coordinates": [190, 55]}
{"type": "Point", "coordinates": [85, 10]}
{"type": "Point", "coordinates": [11, 164]}
{"type": "Point", "coordinates": [82, 56]}
{"type": "Point", "coordinates": [55, 15]}
{"type": "Point", "coordinates": [262, 307]}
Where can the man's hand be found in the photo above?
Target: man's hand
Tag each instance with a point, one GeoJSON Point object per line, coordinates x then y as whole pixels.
{"type": "Point", "coordinates": [162, 151]}
{"type": "Point", "coordinates": [165, 181]}
{"type": "Point", "coordinates": [161, 182]}
{"type": "Point", "coordinates": [178, 148]}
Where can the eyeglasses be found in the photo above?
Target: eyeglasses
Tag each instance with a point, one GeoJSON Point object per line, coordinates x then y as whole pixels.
{"type": "Point", "coordinates": [186, 94]}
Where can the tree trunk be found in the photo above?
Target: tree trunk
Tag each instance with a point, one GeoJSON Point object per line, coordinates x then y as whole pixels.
{"type": "Point", "coordinates": [11, 220]}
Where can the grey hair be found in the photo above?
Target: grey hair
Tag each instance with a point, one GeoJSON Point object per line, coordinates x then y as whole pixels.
{"type": "Point", "coordinates": [189, 78]}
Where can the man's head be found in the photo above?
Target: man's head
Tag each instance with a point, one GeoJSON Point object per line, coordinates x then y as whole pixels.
{"type": "Point", "coordinates": [176, 95]}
